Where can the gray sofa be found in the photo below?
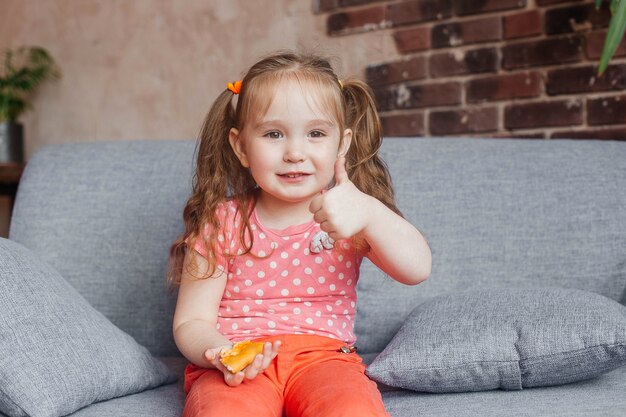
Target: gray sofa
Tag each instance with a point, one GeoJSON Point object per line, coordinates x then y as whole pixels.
{"type": "Point", "coordinates": [498, 214]}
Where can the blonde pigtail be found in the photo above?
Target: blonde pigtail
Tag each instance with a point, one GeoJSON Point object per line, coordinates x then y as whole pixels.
{"type": "Point", "coordinates": [365, 168]}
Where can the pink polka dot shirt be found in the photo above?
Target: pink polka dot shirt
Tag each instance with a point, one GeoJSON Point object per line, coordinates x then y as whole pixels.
{"type": "Point", "coordinates": [281, 286]}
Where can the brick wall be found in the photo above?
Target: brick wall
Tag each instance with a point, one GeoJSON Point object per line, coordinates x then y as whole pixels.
{"type": "Point", "coordinates": [501, 68]}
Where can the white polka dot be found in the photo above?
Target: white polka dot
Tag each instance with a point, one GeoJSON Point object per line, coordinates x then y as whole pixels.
{"type": "Point", "coordinates": [236, 289]}
{"type": "Point", "coordinates": [234, 326]}
{"type": "Point", "coordinates": [297, 310]}
{"type": "Point", "coordinates": [338, 302]}
{"type": "Point", "coordinates": [349, 282]}
{"type": "Point", "coordinates": [308, 304]}
{"type": "Point", "coordinates": [321, 280]}
{"type": "Point", "coordinates": [248, 319]}
{"type": "Point", "coordinates": [262, 235]}
{"type": "Point", "coordinates": [318, 313]}
{"type": "Point", "coordinates": [273, 245]}
{"type": "Point", "coordinates": [273, 265]}
{"type": "Point", "coordinates": [272, 284]}
{"type": "Point", "coordinates": [297, 299]}
{"type": "Point", "coordinates": [284, 255]}
{"type": "Point", "coordinates": [271, 325]}
{"type": "Point", "coordinates": [296, 245]}
{"type": "Point", "coordinates": [340, 258]}
{"type": "Point", "coordinates": [341, 275]}
{"type": "Point", "coordinates": [284, 292]}
{"type": "Point", "coordinates": [330, 323]}
{"type": "Point", "coordinates": [285, 318]}
{"type": "Point", "coordinates": [261, 274]}
{"type": "Point", "coordinates": [249, 263]}
{"type": "Point", "coordinates": [282, 304]}
{"type": "Point", "coordinates": [310, 290]}
{"type": "Point", "coordinates": [248, 283]}
{"type": "Point", "coordinates": [238, 271]}
{"type": "Point", "coordinates": [259, 292]}
{"type": "Point", "coordinates": [259, 302]}
{"type": "Point", "coordinates": [306, 251]}
{"type": "Point", "coordinates": [329, 308]}
{"type": "Point", "coordinates": [296, 262]}
{"type": "Point", "coordinates": [228, 294]}
{"type": "Point", "coordinates": [318, 260]}
{"type": "Point", "coordinates": [348, 264]}
{"type": "Point", "coordinates": [308, 271]}
{"type": "Point", "coordinates": [261, 253]}
{"type": "Point", "coordinates": [284, 273]}
{"type": "Point", "coordinates": [344, 325]}
{"type": "Point", "coordinates": [253, 226]}
{"type": "Point", "coordinates": [246, 309]}
{"type": "Point", "coordinates": [220, 238]}
{"type": "Point", "coordinates": [331, 268]}
{"type": "Point", "coordinates": [297, 281]}
{"type": "Point", "coordinates": [309, 320]}
{"type": "Point", "coordinates": [332, 287]}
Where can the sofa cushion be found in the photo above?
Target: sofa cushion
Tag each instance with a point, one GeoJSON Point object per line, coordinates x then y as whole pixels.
{"type": "Point", "coordinates": [598, 397]}
{"type": "Point", "coordinates": [502, 213]}
{"type": "Point", "coordinates": [504, 338]}
{"type": "Point", "coordinates": [57, 353]}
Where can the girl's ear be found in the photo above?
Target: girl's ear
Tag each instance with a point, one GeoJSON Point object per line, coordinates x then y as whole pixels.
{"type": "Point", "coordinates": [238, 147]}
{"type": "Point", "coordinates": [346, 140]}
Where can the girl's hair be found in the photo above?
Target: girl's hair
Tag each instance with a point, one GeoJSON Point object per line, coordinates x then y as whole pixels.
{"type": "Point", "coordinates": [220, 176]}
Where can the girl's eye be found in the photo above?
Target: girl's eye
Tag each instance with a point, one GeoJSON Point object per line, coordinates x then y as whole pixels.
{"type": "Point", "coordinates": [274, 134]}
{"type": "Point", "coordinates": [317, 134]}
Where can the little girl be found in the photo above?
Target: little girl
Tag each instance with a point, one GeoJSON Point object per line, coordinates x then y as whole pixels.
{"type": "Point", "coordinates": [289, 195]}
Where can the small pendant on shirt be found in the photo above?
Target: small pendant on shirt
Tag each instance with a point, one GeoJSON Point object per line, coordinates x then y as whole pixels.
{"type": "Point", "coordinates": [320, 241]}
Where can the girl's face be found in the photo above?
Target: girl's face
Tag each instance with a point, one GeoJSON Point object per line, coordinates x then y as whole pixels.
{"type": "Point", "coordinates": [292, 148]}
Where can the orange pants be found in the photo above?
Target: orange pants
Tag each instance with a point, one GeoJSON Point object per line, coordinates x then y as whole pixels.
{"type": "Point", "coordinates": [310, 377]}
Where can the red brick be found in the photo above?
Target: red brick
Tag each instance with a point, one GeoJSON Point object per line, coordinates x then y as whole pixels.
{"type": "Point", "coordinates": [576, 18]}
{"type": "Point", "coordinates": [412, 40]}
{"type": "Point", "coordinates": [518, 135]}
{"type": "Point", "coordinates": [541, 114]}
{"type": "Point", "coordinates": [403, 124]}
{"type": "Point", "coordinates": [464, 62]}
{"type": "Point", "coordinates": [585, 80]}
{"type": "Point", "coordinates": [416, 96]}
{"type": "Point", "coordinates": [606, 110]}
{"type": "Point", "coordinates": [542, 52]}
{"type": "Point", "coordinates": [504, 87]}
{"type": "Point", "coordinates": [452, 122]}
{"type": "Point", "coordinates": [602, 134]}
{"type": "Point", "coordinates": [523, 24]}
{"type": "Point", "coordinates": [398, 71]}
{"type": "Point", "coordinates": [353, 21]}
{"type": "Point", "coordinates": [416, 11]}
{"type": "Point", "coordinates": [471, 31]}
{"type": "Point", "coordinates": [464, 7]}
{"type": "Point", "coordinates": [595, 45]}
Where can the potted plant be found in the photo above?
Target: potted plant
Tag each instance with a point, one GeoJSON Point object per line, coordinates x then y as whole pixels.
{"type": "Point", "coordinates": [22, 70]}
{"type": "Point", "coordinates": [615, 34]}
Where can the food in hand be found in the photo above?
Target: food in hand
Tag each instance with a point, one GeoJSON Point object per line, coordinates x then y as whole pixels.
{"type": "Point", "coordinates": [240, 355]}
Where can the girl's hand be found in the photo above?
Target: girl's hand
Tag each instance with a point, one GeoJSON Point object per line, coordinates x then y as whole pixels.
{"type": "Point", "coordinates": [342, 212]}
{"type": "Point", "coordinates": [260, 363]}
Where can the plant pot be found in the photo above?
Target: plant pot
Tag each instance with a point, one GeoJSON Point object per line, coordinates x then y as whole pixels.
{"type": "Point", "coordinates": [11, 142]}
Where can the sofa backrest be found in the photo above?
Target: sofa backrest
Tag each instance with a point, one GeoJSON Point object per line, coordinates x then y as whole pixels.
{"type": "Point", "coordinates": [496, 212]}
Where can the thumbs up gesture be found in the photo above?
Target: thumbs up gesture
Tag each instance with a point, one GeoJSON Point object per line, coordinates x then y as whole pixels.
{"type": "Point", "coordinates": [342, 211]}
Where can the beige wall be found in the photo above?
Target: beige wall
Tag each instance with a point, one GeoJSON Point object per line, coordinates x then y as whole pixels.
{"type": "Point", "coordinates": [149, 69]}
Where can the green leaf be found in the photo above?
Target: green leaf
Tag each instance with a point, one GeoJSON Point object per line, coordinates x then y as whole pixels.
{"type": "Point", "coordinates": [614, 36]}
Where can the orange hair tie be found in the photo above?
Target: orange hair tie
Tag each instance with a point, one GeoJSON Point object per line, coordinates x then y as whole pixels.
{"type": "Point", "coordinates": [235, 87]}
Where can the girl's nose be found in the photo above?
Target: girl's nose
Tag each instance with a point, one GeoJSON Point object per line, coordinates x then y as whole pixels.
{"type": "Point", "coordinates": [294, 151]}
